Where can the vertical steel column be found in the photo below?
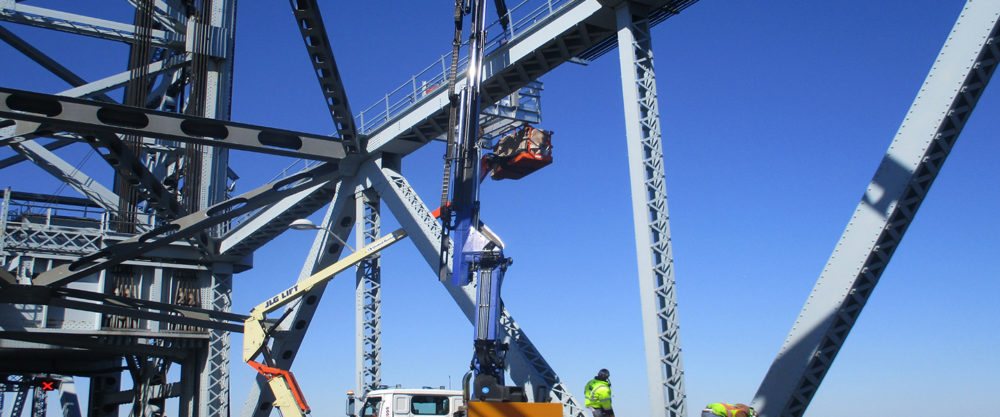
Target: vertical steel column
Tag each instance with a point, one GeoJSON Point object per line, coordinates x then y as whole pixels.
{"type": "Point", "coordinates": [212, 40]}
{"type": "Point", "coordinates": [4, 206]}
{"type": "Point", "coordinates": [649, 212]}
{"type": "Point", "coordinates": [38, 403]}
{"type": "Point", "coordinates": [19, 397]}
{"type": "Point", "coordinates": [368, 296]}
{"type": "Point", "coordinates": [943, 105]}
{"type": "Point", "coordinates": [101, 387]}
{"type": "Point", "coordinates": [68, 400]}
{"type": "Point", "coordinates": [214, 377]}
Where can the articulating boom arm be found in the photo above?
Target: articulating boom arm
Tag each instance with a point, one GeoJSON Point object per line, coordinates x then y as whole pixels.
{"type": "Point", "coordinates": [478, 253]}
{"type": "Point", "coordinates": [257, 331]}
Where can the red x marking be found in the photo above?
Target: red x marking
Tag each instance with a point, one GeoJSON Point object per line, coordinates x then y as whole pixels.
{"type": "Point", "coordinates": [47, 386]}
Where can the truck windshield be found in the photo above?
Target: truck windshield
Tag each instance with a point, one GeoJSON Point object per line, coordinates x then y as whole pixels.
{"type": "Point", "coordinates": [429, 405]}
{"type": "Point", "coordinates": [370, 408]}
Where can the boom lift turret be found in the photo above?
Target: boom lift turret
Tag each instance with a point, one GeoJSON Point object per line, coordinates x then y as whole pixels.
{"type": "Point", "coordinates": [478, 253]}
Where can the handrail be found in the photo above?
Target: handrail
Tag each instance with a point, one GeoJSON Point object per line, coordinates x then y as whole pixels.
{"type": "Point", "coordinates": [434, 76]}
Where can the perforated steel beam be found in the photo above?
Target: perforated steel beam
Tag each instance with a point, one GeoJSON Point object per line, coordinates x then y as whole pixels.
{"type": "Point", "coordinates": [325, 251]}
{"type": "Point", "coordinates": [266, 224]}
{"type": "Point", "coordinates": [86, 117]}
{"type": "Point", "coordinates": [654, 251]}
{"type": "Point", "coordinates": [935, 119]}
{"type": "Point", "coordinates": [310, 24]}
{"type": "Point", "coordinates": [125, 162]}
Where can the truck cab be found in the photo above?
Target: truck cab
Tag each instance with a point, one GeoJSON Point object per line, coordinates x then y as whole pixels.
{"type": "Point", "coordinates": [405, 402]}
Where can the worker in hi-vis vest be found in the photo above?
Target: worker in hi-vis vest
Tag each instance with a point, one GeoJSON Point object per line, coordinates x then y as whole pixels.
{"type": "Point", "coordinates": [728, 410]}
{"type": "Point", "coordinates": [597, 395]}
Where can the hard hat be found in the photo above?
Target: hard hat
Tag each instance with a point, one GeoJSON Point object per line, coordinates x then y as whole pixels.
{"type": "Point", "coordinates": [603, 374]}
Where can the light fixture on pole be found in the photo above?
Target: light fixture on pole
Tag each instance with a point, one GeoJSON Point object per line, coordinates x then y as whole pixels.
{"type": "Point", "coordinates": [305, 224]}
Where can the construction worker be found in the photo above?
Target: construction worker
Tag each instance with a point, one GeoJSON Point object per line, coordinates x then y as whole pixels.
{"type": "Point", "coordinates": [597, 395]}
{"type": "Point", "coordinates": [728, 410]}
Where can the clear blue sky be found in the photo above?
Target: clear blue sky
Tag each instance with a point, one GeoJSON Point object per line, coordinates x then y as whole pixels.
{"type": "Point", "coordinates": [774, 116]}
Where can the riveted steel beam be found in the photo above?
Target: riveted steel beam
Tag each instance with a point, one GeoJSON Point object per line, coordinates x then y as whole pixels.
{"type": "Point", "coordinates": [930, 129]}
{"type": "Point", "coordinates": [654, 251]}
{"type": "Point", "coordinates": [368, 295]}
{"type": "Point", "coordinates": [310, 24]}
{"type": "Point", "coordinates": [269, 222]}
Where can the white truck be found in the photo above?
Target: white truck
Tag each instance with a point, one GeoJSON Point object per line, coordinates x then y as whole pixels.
{"type": "Point", "coordinates": [405, 402]}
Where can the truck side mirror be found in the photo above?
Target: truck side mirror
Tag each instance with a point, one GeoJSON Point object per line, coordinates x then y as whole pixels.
{"type": "Point", "coordinates": [350, 404]}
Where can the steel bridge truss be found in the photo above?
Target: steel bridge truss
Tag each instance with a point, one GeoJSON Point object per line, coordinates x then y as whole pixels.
{"type": "Point", "coordinates": [148, 278]}
{"type": "Point", "coordinates": [156, 139]}
{"type": "Point", "coordinates": [135, 313]}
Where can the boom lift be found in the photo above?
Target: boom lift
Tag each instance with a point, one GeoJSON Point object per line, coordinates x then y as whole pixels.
{"type": "Point", "coordinates": [478, 254]}
{"type": "Point", "coordinates": [258, 330]}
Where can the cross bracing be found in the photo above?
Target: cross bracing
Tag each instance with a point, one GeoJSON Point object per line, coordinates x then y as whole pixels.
{"type": "Point", "coordinates": [280, 206]}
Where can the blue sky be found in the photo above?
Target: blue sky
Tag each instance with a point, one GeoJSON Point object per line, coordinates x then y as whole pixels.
{"type": "Point", "coordinates": [774, 117]}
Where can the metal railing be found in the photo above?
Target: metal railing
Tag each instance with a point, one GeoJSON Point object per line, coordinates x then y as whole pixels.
{"type": "Point", "coordinates": [523, 17]}
{"type": "Point", "coordinates": [60, 228]}
{"type": "Point", "coordinates": [49, 211]}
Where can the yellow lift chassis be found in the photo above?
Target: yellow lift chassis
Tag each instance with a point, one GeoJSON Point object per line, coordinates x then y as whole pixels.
{"type": "Point", "coordinates": [256, 332]}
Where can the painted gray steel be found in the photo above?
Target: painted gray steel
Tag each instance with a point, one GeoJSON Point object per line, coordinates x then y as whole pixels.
{"type": "Point", "coordinates": [654, 251]}
{"type": "Point", "coordinates": [11, 11]}
{"type": "Point", "coordinates": [368, 295]}
{"type": "Point", "coordinates": [524, 363]}
{"type": "Point", "coordinates": [323, 252]}
{"type": "Point", "coordinates": [544, 34]}
{"type": "Point", "coordinates": [86, 117]}
{"type": "Point", "coordinates": [931, 127]}
{"type": "Point", "coordinates": [317, 43]}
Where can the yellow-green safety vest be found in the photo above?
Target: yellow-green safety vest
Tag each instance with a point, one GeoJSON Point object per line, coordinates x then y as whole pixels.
{"type": "Point", "coordinates": [597, 394]}
{"type": "Point", "coordinates": [723, 409]}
